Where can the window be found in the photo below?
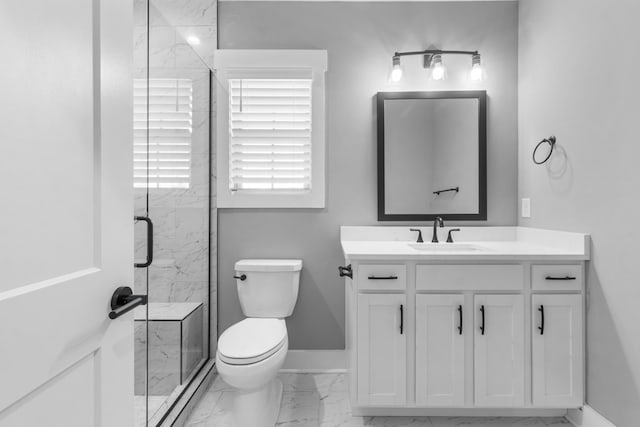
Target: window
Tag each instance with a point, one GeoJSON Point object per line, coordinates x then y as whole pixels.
{"type": "Point", "coordinates": [270, 128]}
{"type": "Point", "coordinates": [270, 134]}
{"type": "Point", "coordinates": [166, 161]}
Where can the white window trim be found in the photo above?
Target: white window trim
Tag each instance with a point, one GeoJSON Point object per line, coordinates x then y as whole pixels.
{"type": "Point", "coordinates": [228, 61]}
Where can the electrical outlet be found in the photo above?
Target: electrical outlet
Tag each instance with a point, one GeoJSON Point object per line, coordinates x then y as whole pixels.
{"type": "Point", "coordinates": [525, 210]}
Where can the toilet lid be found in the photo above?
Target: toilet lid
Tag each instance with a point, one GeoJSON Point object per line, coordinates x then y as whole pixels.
{"type": "Point", "coordinates": [251, 340]}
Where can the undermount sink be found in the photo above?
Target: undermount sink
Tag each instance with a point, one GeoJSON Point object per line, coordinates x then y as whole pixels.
{"type": "Point", "coordinates": [445, 247]}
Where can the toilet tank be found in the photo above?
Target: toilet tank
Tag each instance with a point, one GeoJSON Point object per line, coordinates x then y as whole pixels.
{"type": "Point", "coordinates": [270, 286]}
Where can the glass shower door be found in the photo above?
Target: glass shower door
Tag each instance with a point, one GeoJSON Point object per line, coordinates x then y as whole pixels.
{"type": "Point", "coordinates": [172, 187]}
{"type": "Point", "coordinates": [141, 202]}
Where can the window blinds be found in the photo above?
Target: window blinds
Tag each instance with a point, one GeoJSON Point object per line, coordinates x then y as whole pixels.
{"type": "Point", "coordinates": [164, 161]}
{"type": "Point", "coordinates": [270, 134]}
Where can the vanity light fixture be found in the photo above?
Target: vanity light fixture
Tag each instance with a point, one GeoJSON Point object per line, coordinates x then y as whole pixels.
{"type": "Point", "coordinates": [433, 61]}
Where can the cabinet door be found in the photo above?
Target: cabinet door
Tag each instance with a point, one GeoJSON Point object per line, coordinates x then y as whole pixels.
{"type": "Point", "coordinates": [440, 350]}
{"type": "Point", "coordinates": [382, 349]}
{"type": "Point", "coordinates": [557, 350]}
{"type": "Point", "coordinates": [499, 350]}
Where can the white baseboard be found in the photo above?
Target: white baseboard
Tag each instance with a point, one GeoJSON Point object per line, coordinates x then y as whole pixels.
{"type": "Point", "coordinates": [587, 417]}
{"type": "Point", "coordinates": [315, 361]}
{"type": "Point", "coordinates": [456, 412]}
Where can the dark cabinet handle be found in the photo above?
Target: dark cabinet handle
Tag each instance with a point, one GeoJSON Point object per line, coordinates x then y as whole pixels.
{"type": "Point", "coordinates": [242, 277]}
{"type": "Point", "coordinates": [401, 319]}
{"type": "Point", "coordinates": [560, 278]}
{"type": "Point", "coordinates": [149, 260]}
{"type": "Point", "coordinates": [123, 301]}
{"type": "Point", "coordinates": [541, 327]}
{"type": "Point", "coordinates": [482, 322]}
{"type": "Point", "coordinates": [460, 317]}
{"type": "Point", "coordinates": [345, 271]}
{"type": "Point", "coordinates": [383, 277]}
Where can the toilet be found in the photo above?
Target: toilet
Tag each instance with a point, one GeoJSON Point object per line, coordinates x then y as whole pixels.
{"type": "Point", "coordinates": [251, 352]}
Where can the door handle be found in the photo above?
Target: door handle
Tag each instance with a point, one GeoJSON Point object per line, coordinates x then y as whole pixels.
{"type": "Point", "coordinates": [401, 319]}
{"type": "Point", "coordinates": [460, 317]}
{"type": "Point", "coordinates": [482, 322]}
{"type": "Point", "coordinates": [383, 277]}
{"type": "Point", "coordinates": [560, 278]}
{"type": "Point", "coordinates": [541, 327]}
{"type": "Point", "coordinates": [149, 260]}
{"type": "Point", "coordinates": [123, 301]}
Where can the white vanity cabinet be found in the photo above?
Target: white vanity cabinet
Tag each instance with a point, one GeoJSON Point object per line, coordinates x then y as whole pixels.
{"type": "Point", "coordinates": [440, 350]}
{"type": "Point", "coordinates": [499, 338]}
{"type": "Point", "coordinates": [492, 325]}
{"type": "Point", "coordinates": [382, 349]}
{"type": "Point", "coordinates": [557, 342]}
{"type": "Point", "coordinates": [465, 338]}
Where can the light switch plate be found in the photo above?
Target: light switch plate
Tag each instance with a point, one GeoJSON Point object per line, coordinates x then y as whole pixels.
{"type": "Point", "coordinates": [525, 210]}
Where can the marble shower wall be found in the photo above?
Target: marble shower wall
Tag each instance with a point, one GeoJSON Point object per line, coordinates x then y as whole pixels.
{"type": "Point", "coordinates": [184, 268]}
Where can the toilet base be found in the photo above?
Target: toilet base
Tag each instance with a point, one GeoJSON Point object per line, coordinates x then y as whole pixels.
{"type": "Point", "coordinates": [258, 408]}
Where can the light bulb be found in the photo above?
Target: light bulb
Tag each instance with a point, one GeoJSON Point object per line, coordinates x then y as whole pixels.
{"type": "Point", "coordinates": [476, 73]}
{"type": "Point", "coordinates": [396, 74]}
{"type": "Point", "coordinates": [476, 69]}
{"type": "Point", "coordinates": [438, 72]}
{"type": "Point", "coordinates": [396, 71]}
{"type": "Point", "coordinates": [437, 68]}
{"type": "Point", "coordinates": [193, 40]}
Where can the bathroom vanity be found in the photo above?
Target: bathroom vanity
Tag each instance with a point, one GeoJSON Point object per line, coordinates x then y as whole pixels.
{"type": "Point", "coordinates": [490, 325]}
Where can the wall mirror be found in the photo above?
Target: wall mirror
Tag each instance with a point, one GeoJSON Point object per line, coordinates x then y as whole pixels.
{"type": "Point", "coordinates": [432, 155]}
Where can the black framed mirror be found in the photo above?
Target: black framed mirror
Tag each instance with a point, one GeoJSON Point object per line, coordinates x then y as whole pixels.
{"type": "Point", "coordinates": [432, 155]}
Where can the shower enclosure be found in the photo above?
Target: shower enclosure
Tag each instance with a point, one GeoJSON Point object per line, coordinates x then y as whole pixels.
{"type": "Point", "coordinates": [172, 176]}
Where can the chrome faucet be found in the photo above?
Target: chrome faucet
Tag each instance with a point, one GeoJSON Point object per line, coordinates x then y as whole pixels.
{"type": "Point", "coordinates": [437, 222]}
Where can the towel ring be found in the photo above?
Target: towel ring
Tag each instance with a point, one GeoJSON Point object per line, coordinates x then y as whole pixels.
{"type": "Point", "coordinates": [552, 142]}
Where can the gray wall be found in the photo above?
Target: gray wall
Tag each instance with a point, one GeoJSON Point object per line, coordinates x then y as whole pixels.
{"type": "Point", "coordinates": [578, 79]}
{"type": "Point", "coordinates": [360, 39]}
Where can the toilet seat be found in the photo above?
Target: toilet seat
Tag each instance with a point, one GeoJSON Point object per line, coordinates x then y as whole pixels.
{"type": "Point", "coordinates": [252, 340]}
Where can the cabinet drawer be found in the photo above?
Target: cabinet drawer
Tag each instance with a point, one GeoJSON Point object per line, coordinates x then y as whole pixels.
{"type": "Point", "coordinates": [557, 277]}
{"type": "Point", "coordinates": [469, 277]}
{"type": "Point", "coordinates": [382, 276]}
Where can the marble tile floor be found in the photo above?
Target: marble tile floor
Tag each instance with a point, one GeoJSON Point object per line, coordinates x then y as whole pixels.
{"type": "Point", "coordinates": [321, 400]}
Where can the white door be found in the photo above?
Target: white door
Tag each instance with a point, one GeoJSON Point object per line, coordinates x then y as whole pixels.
{"type": "Point", "coordinates": [66, 229]}
{"type": "Point", "coordinates": [382, 349]}
{"type": "Point", "coordinates": [440, 333]}
{"type": "Point", "coordinates": [499, 350]}
{"type": "Point", "coordinates": [557, 351]}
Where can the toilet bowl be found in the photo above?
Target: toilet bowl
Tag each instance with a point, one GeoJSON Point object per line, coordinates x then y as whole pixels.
{"type": "Point", "coordinates": [249, 356]}
{"type": "Point", "coordinates": [251, 352]}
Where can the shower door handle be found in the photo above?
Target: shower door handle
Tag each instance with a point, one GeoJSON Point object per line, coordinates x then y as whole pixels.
{"type": "Point", "coordinates": [123, 301]}
{"type": "Point", "coordinates": [149, 260]}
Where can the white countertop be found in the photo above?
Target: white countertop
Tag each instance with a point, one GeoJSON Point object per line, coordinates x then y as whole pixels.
{"type": "Point", "coordinates": [486, 243]}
